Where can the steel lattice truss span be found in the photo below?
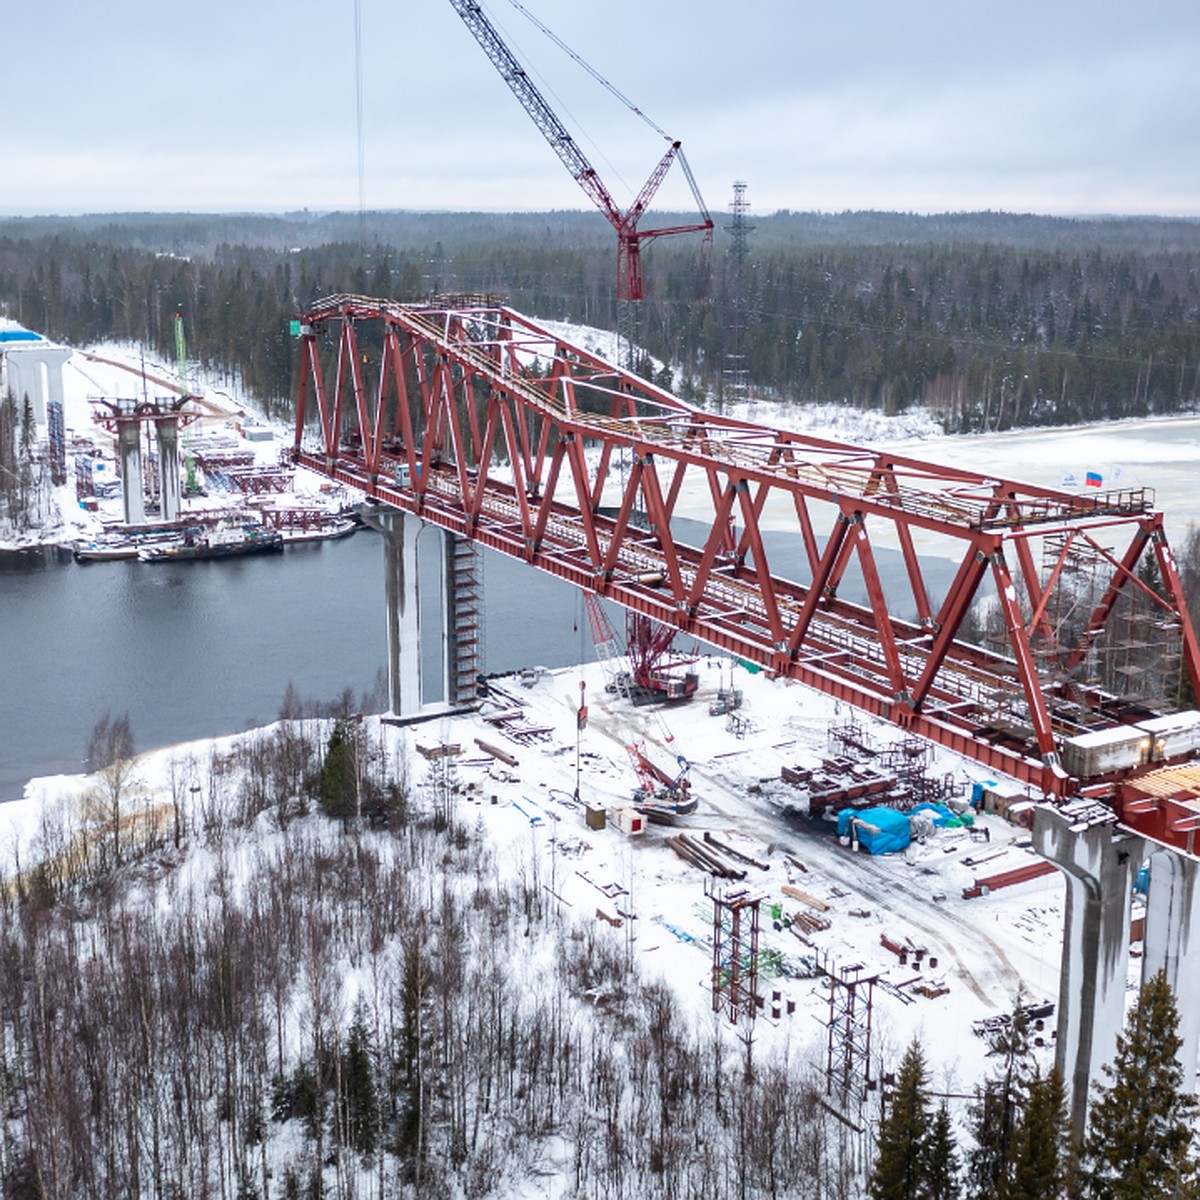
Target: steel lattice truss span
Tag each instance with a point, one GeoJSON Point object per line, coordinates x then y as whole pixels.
{"type": "Point", "coordinates": [482, 422]}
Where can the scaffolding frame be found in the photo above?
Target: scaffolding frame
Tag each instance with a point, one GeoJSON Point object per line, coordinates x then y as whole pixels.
{"type": "Point", "coordinates": [848, 1062]}
{"type": "Point", "coordinates": [466, 618]}
{"type": "Point", "coordinates": [735, 967]}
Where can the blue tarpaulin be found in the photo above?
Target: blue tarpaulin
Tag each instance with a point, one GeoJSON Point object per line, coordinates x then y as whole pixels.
{"type": "Point", "coordinates": [879, 830]}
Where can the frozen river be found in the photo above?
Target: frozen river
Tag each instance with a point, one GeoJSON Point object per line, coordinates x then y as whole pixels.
{"type": "Point", "coordinates": [1163, 455]}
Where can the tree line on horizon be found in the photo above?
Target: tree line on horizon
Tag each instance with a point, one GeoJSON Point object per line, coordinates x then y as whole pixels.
{"type": "Point", "coordinates": [989, 321]}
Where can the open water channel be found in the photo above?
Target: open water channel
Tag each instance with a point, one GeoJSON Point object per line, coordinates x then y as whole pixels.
{"type": "Point", "coordinates": [199, 649]}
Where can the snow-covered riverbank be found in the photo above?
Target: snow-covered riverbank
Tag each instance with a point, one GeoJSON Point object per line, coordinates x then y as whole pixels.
{"type": "Point", "coordinates": [978, 953]}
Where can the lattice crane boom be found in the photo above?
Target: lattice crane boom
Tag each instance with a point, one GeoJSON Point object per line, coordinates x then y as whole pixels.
{"type": "Point", "coordinates": [629, 237]}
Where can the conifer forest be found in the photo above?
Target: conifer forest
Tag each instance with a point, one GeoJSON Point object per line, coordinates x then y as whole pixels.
{"type": "Point", "coordinates": [990, 321]}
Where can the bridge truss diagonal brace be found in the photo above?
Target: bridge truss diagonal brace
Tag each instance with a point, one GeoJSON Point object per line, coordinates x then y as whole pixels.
{"type": "Point", "coordinates": [1018, 640]}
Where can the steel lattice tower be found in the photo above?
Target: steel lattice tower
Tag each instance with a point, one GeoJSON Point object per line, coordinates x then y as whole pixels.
{"type": "Point", "coordinates": [848, 1067]}
{"type": "Point", "coordinates": [735, 954]}
{"type": "Point", "coordinates": [735, 376]}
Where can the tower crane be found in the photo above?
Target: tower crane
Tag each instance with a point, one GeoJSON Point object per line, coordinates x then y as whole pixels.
{"type": "Point", "coordinates": [629, 236]}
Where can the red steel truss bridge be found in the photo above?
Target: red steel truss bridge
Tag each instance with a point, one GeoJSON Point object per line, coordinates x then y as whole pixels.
{"type": "Point", "coordinates": [488, 425]}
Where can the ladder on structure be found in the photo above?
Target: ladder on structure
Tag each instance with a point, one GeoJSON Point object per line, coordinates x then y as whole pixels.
{"type": "Point", "coordinates": [465, 616]}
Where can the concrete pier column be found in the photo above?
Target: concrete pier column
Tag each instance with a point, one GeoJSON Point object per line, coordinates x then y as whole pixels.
{"type": "Point", "coordinates": [410, 686]}
{"type": "Point", "coordinates": [1099, 861]}
{"type": "Point", "coordinates": [35, 370]}
{"type": "Point", "coordinates": [129, 447]}
{"type": "Point", "coordinates": [170, 486]}
{"type": "Point", "coordinates": [403, 610]}
{"type": "Point", "coordinates": [1171, 918]}
{"type": "Point", "coordinates": [54, 358]}
{"type": "Point", "coordinates": [431, 671]}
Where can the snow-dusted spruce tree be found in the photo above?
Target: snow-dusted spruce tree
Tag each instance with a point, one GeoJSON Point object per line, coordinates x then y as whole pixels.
{"type": "Point", "coordinates": [941, 1159]}
{"type": "Point", "coordinates": [1139, 1141]}
{"type": "Point", "coordinates": [1042, 1159]}
{"type": "Point", "coordinates": [916, 1152]}
{"type": "Point", "coordinates": [995, 1115]}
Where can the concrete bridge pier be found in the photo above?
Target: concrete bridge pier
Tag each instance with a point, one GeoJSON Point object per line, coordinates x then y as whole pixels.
{"type": "Point", "coordinates": [35, 370]}
{"type": "Point", "coordinates": [129, 447]}
{"type": "Point", "coordinates": [425, 679]}
{"type": "Point", "coordinates": [402, 582]}
{"type": "Point", "coordinates": [1099, 862]}
{"type": "Point", "coordinates": [1172, 944]}
{"type": "Point", "coordinates": [169, 484]}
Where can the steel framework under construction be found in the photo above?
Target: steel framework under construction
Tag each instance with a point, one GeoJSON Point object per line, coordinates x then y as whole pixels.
{"type": "Point", "coordinates": [472, 416]}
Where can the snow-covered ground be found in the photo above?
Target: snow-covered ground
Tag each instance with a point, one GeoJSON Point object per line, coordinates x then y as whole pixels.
{"type": "Point", "coordinates": [987, 950]}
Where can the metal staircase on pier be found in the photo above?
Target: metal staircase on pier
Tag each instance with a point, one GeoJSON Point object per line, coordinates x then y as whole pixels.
{"type": "Point", "coordinates": [465, 586]}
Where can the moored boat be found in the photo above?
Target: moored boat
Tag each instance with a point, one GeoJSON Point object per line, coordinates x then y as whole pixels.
{"type": "Point", "coordinates": [228, 541]}
{"type": "Point", "coordinates": [95, 550]}
{"type": "Point", "coordinates": [335, 527]}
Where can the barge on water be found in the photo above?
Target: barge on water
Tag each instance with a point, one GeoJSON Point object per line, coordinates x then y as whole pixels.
{"type": "Point", "coordinates": [226, 541]}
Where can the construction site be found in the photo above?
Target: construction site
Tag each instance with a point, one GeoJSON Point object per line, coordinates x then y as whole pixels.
{"type": "Point", "coordinates": [850, 758]}
{"type": "Point", "coordinates": [1058, 662]}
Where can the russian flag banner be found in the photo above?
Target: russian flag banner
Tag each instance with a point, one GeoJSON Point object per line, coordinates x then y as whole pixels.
{"type": "Point", "coordinates": [1094, 479]}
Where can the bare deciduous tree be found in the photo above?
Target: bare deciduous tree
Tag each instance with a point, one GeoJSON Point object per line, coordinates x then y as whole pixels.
{"type": "Point", "coordinates": [110, 757]}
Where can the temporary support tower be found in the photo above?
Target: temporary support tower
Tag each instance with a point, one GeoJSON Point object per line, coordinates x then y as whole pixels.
{"type": "Point", "coordinates": [735, 954]}
{"type": "Point", "coordinates": [848, 1059]}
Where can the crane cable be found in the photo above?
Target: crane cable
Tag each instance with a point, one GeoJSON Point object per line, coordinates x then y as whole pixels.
{"type": "Point", "coordinates": [358, 108]}
{"type": "Point", "coordinates": [615, 91]}
{"type": "Point", "coordinates": [633, 108]}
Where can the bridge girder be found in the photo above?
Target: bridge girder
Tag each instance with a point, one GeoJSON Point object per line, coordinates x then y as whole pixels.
{"type": "Point", "coordinates": [481, 421]}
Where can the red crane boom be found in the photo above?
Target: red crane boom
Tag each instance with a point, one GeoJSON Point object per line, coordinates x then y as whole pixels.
{"type": "Point", "coordinates": [629, 237]}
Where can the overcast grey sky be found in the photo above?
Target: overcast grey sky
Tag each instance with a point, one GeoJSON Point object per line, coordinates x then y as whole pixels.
{"type": "Point", "coordinates": [1048, 106]}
